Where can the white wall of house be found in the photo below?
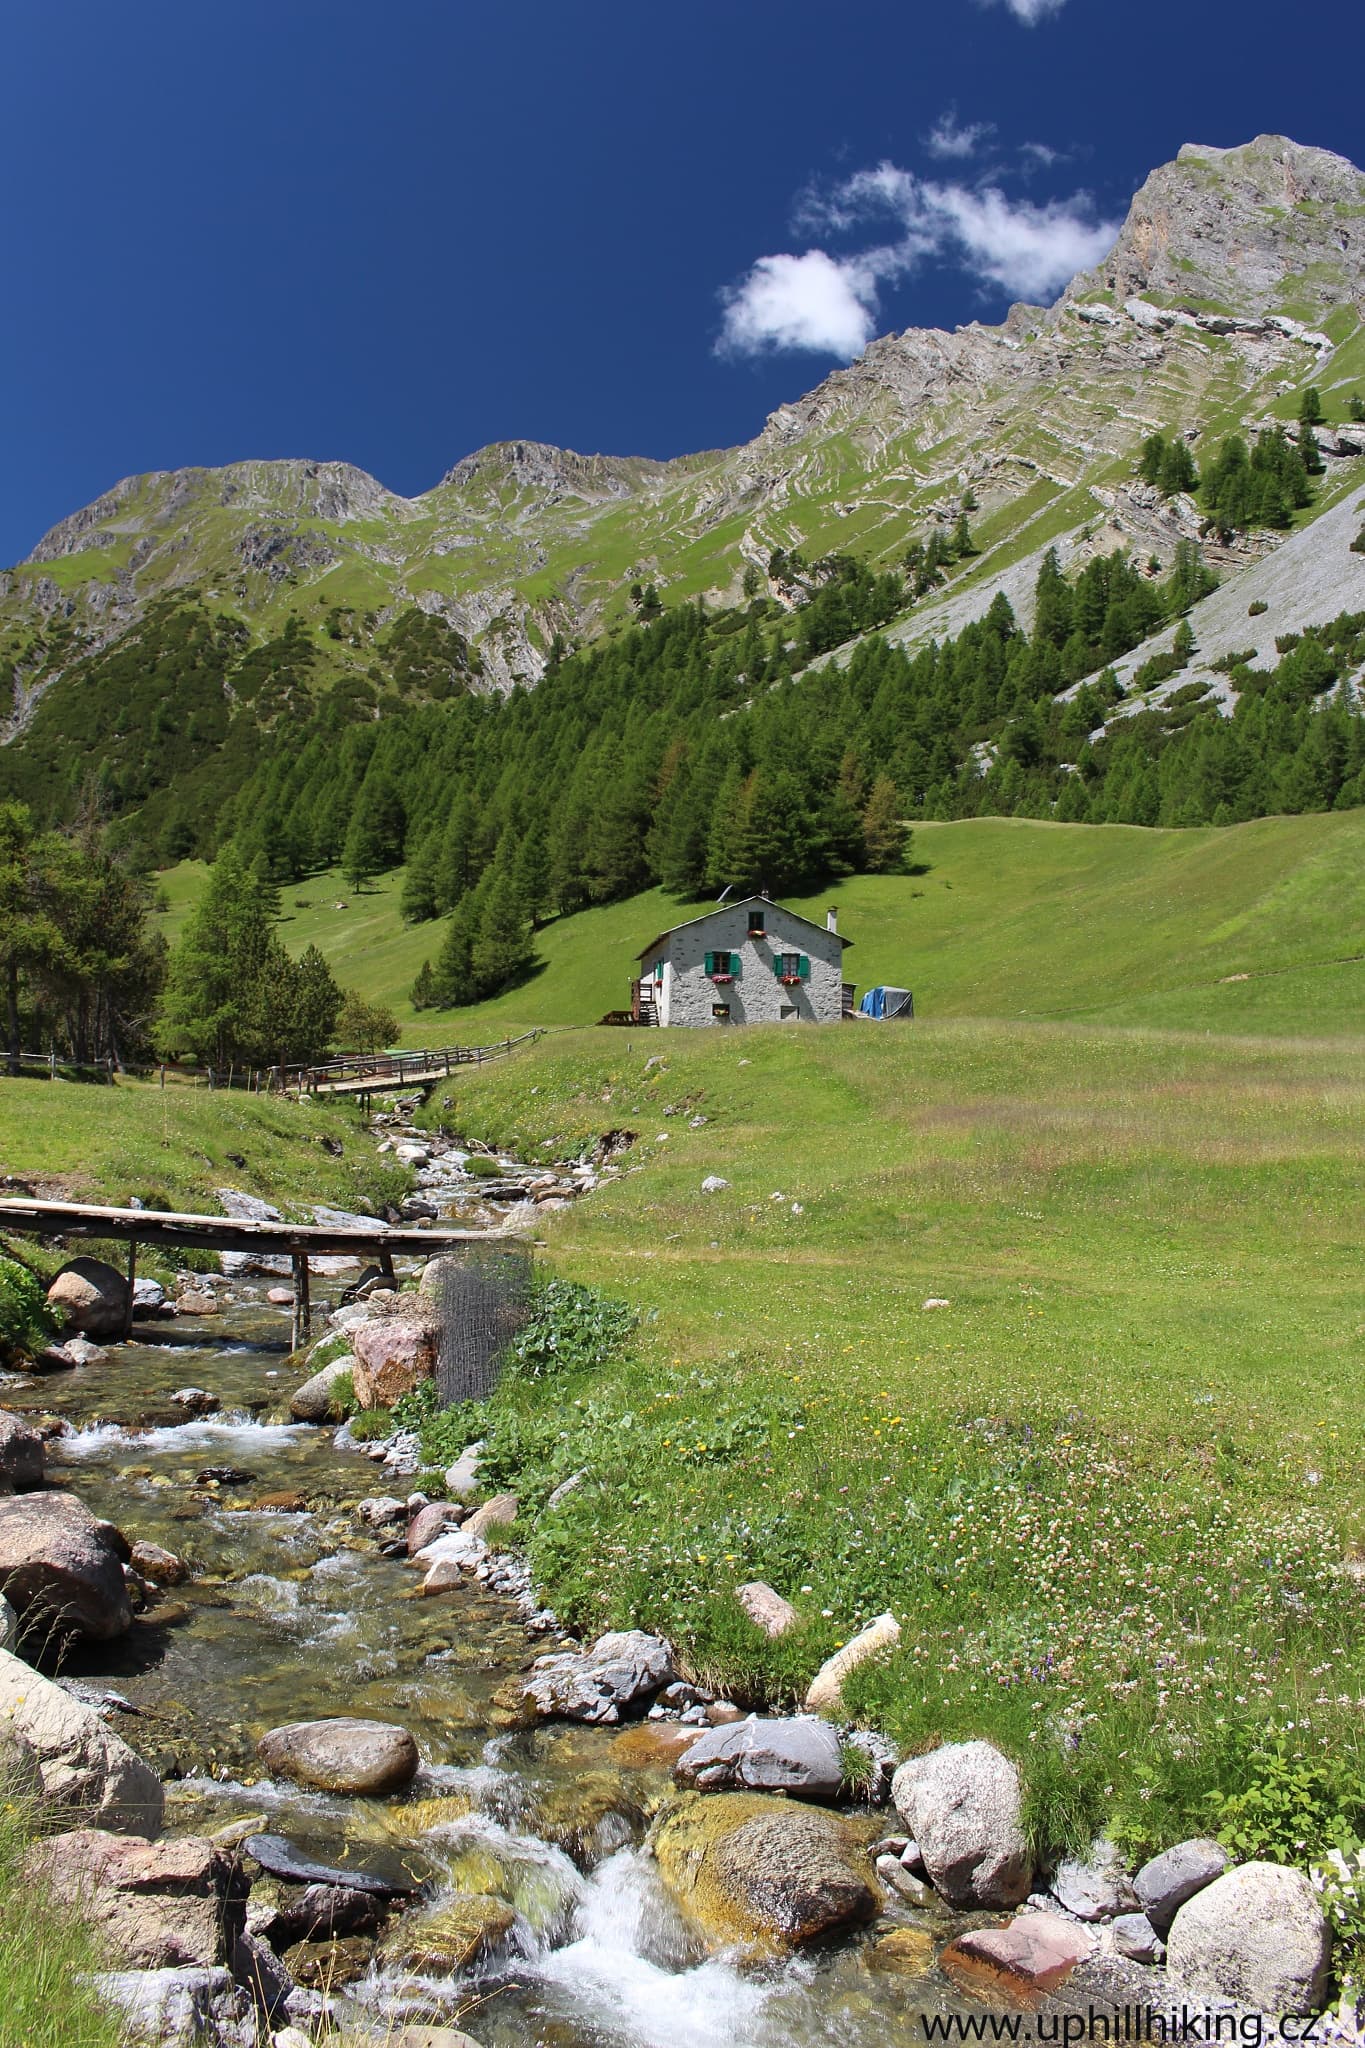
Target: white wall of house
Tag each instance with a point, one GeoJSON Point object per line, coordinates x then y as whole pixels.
{"type": "Point", "coordinates": [687, 994]}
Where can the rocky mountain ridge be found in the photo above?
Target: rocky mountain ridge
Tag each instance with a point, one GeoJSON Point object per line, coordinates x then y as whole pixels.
{"type": "Point", "coordinates": [1238, 277]}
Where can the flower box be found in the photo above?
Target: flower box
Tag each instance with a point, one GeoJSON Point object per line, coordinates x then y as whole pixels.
{"type": "Point", "coordinates": [722, 977]}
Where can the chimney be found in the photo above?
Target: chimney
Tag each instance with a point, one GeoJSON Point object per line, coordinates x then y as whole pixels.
{"type": "Point", "coordinates": [831, 919]}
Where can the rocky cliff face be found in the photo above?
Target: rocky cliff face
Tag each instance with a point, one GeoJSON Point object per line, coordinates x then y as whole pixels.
{"type": "Point", "coordinates": [1238, 277]}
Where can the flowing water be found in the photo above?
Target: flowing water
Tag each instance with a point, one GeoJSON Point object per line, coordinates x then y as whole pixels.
{"type": "Point", "coordinates": [292, 1612]}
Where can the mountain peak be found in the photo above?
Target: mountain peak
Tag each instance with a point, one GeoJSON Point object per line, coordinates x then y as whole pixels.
{"type": "Point", "coordinates": [1270, 226]}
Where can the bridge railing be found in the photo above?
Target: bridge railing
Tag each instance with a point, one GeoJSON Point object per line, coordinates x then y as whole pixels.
{"type": "Point", "coordinates": [383, 1069]}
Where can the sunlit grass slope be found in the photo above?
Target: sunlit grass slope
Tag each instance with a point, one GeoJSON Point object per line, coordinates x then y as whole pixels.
{"type": "Point", "coordinates": [1046, 1337]}
{"type": "Point", "coordinates": [1006, 918]}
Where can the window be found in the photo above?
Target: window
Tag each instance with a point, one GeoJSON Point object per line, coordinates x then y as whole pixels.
{"type": "Point", "coordinates": [791, 967]}
{"type": "Point", "coordinates": [722, 966]}
{"type": "Point", "coordinates": [721, 1012]}
{"type": "Point", "coordinates": [757, 923]}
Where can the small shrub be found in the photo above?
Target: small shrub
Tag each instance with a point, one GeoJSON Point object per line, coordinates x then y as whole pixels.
{"type": "Point", "coordinates": [1257, 609]}
{"type": "Point", "coordinates": [26, 1322]}
{"type": "Point", "coordinates": [1226, 663]}
{"type": "Point", "coordinates": [1286, 642]}
{"type": "Point", "coordinates": [1339, 1881]}
{"type": "Point", "coordinates": [860, 1769]}
{"type": "Point", "coordinates": [1358, 544]}
{"type": "Point", "coordinates": [341, 1398]}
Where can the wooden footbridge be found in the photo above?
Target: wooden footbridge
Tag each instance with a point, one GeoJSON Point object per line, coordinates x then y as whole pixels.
{"type": "Point", "coordinates": [298, 1241]}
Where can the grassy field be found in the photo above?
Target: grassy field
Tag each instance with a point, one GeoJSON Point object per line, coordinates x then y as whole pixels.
{"type": "Point", "coordinates": [1108, 1489]}
{"type": "Point", "coordinates": [1008, 918]}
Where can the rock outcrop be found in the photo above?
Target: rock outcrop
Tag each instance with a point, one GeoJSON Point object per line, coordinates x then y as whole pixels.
{"type": "Point", "coordinates": [797, 1756]}
{"type": "Point", "coordinates": [21, 1455]}
{"type": "Point", "coordinates": [61, 1568]}
{"type": "Point", "coordinates": [84, 1766]}
{"type": "Point", "coordinates": [620, 1670]}
{"type": "Point", "coordinates": [393, 1354]}
{"type": "Point", "coordinates": [158, 1905]}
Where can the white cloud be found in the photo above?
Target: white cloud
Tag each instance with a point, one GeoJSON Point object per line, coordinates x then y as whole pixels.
{"type": "Point", "coordinates": [1031, 12]}
{"type": "Point", "coordinates": [810, 302]}
{"type": "Point", "coordinates": [828, 304]}
{"type": "Point", "coordinates": [950, 137]}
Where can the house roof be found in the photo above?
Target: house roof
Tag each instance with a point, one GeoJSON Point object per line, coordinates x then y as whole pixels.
{"type": "Point", "coordinates": [739, 904]}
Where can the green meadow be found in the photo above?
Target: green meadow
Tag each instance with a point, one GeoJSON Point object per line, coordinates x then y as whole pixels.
{"type": "Point", "coordinates": [1003, 917]}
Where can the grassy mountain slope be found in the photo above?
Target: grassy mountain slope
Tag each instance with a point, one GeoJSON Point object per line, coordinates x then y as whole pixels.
{"type": "Point", "coordinates": [1008, 918]}
{"type": "Point", "coordinates": [1236, 282]}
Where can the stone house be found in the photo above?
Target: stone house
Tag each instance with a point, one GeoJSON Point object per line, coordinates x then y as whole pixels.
{"type": "Point", "coordinates": [749, 962]}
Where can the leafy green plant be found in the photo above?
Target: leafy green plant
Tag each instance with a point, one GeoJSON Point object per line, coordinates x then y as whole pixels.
{"type": "Point", "coordinates": [26, 1322]}
{"type": "Point", "coordinates": [1339, 1881]}
{"type": "Point", "coordinates": [341, 1402]}
{"type": "Point", "coordinates": [859, 1769]}
{"type": "Point", "coordinates": [1257, 608]}
{"type": "Point", "coordinates": [570, 1328]}
{"type": "Point", "coordinates": [1295, 1803]}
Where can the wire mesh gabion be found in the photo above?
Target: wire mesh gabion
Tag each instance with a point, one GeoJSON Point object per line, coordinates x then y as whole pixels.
{"type": "Point", "coordinates": [483, 1298]}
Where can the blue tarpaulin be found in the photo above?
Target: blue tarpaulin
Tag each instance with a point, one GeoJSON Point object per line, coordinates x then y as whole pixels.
{"type": "Point", "coordinates": [883, 1002]}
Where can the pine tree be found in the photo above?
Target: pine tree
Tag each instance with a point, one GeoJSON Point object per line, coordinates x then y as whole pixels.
{"type": "Point", "coordinates": [454, 978]}
{"type": "Point", "coordinates": [502, 951]}
{"type": "Point", "coordinates": [1310, 407]}
{"type": "Point", "coordinates": [423, 993]}
{"type": "Point", "coordinates": [364, 1026]}
{"type": "Point", "coordinates": [531, 873]}
{"type": "Point", "coordinates": [884, 835]}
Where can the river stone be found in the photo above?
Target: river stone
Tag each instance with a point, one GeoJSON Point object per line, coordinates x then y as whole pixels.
{"type": "Point", "coordinates": [21, 1455]}
{"type": "Point", "coordinates": [498, 1513]}
{"type": "Point", "coordinates": [1036, 1953]}
{"type": "Point", "coordinates": [767, 1873]}
{"type": "Point", "coordinates": [432, 1521]}
{"type": "Point", "coordinates": [9, 1625]}
{"type": "Point", "coordinates": [158, 1905]}
{"type": "Point", "coordinates": [393, 1355]}
{"type": "Point", "coordinates": [342, 1755]}
{"type": "Point", "coordinates": [961, 1803]}
{"type": "Point", "coordinates": [62, 1569]}
{"type": "Point", "coordinates": [325, 1965]}
{"type": "Point", "coordinates": [825, 1695]}
{"type": "Point", "coordinates": [82, 1763]}
{"type": "Point", "coordinates": [765, 1608]}
{"type": "Point", "coordinates": [93, 1297]}
{"type": "Point", "coordinates": [621, 1669]}
{"type": "Point", "coordinates": [162, 1567]}
{"type": "Point", "coordinates": [1136, 1939]}
{"type": "Point", "coordinates": [1093, 1888]}
{"type": "Point", "coordinates": [382, 1510]}
{"type": "Point", "coordinates": [449, 1939]}
{"type": "Point", "coordinates": [149, 1299]}
{"type": "Point", "coordinates": [800, 1756]}
{"type": "Point", "coordinates": [1256, 1936]}
{"type": "Point", "coordinates": [259, 1970]}
{"type": "Point", "coordinates": [281, 1859]}
{"type": "Point", "coordinates": [908, 1951]}
{"type": "Point", "coordinates": [312, 1402]}
{"type": "Point", "coordinates": [179, 2008]}
{"type": "Point", "coordinates": [1164, 1884]}
{"type": "Point", "coordinates": [463, 1476]}
{"type": "Point", "coordinates": [196, 1400]}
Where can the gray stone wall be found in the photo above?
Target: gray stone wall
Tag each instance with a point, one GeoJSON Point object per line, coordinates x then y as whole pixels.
{"type": "Point", "coordinates": [688, 996]}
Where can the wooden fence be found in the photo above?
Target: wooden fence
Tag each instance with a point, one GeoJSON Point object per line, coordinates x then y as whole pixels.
{"type": "Point", "coordinates": [352, 1073]}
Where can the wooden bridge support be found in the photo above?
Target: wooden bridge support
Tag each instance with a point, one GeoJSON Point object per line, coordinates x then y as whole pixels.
{"type": "Point", "coordinates": [132, 1276]}
{"type": "Point", "coordinates": [303, 1311]}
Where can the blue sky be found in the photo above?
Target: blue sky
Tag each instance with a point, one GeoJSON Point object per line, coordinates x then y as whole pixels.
{"type": "Point", "coordinates": [393, 233]}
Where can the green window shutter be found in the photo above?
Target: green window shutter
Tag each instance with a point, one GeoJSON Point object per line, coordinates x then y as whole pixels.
{"type": "Point", "coordinates": [733, 963]}
{"type": "Point", "coordinates": [777, 965]}
{"type": "Point", "coordinates": [710, 963]}
{"type": "Point", "coordinates": [804, 969]}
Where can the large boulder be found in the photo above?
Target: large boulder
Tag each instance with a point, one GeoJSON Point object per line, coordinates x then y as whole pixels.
{"type": "Point", "coordinates": [61, 1569]}
{"type": "Point", "coordinates": [312, 1402]}
{"type": "Point", "coordinates": [621, 1669]}
{"type": "Point", "coordinates": [1168, 1880]}
{"type": "Point", "coordinates": [82, 1763]}
{"type": "Point", "coordinates": [1035, 1954]}
{"type": "Point", "coordinates": [451, 1937]}
{"type": "Point", "coordinates": [93, 1297]}
{"type": "Point", "coordinates": [342, 1755]}
{"type": "Point", "coordinates": [1255, 1936]}
{"type": "Point", "coordinates": [962, 1804]}
{"type": "Point", "coordinates": [393, 1354]}
{"type": "Point", "coordinates": [180, 2008]}
{"type": "Point", "coordinates": [798, 1756]}
{"type": "Point", "coordinates": [157, 1905]}
{"type": "Point", "coordinates": [21, 1455]}
{"type": "Point", "coordinates": [765, 1873]}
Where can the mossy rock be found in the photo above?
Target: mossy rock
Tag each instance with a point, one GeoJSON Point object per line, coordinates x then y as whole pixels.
{"type": "Point", "coordinates": [764, 1874]}
{"type": "Point", "coordinates": [450, 1939]}
{"type": "Point", "coordinates": [907, 1952]}
{"type": "Point", "coordinates": [587, 1816]}
{"type": "Point", "coordinates": [326, 1965]}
